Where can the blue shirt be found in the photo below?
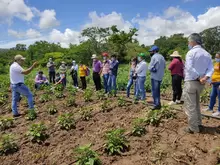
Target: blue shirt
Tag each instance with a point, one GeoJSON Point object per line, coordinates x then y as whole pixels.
{"type": "Point", "coordinates": [141, 69]}
{"type": "Point", "coordinates": [158, 62]}
{"type": "Point", "coordinates": [198, 64]}
{"type": "Point", "coordinates": [114, 67]}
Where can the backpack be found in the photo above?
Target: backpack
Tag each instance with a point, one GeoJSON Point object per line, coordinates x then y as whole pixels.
{"type": "Point", "coordinates": [87, 71]}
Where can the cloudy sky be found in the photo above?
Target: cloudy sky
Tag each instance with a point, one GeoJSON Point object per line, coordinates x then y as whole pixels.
{"type": "Point", "coordinates": [27, 21]}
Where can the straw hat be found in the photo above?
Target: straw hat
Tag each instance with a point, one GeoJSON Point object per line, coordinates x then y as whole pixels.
{"type": "Point", "coordinates": [94, 56]}
{"type": "Point", "coordinates": [175, 54]}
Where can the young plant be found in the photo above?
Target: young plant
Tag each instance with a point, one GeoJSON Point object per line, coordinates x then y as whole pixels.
{"type": "Point", "coordinates": [59, 87]}
{"type": "Point", "coordinates": [71, 101]}
{"type": "Point", "coordinates": [139, 127]}
{"type": "Point", "coordinates": [37, 133]}
{"type": "Point", "coordinates": [6, 123]}
{"type": "Point", "coordinates": [116, 142]}
{"type": "Point", "coordinates": [52, 109]}
{"type": "Point", "coordinates": [88, 95]}
{"type": "Point", "coordinates": [45, 98]}
{"type": "Point", "coordinates": [105, 106]}
{"type": "Point", "coordinates": [153, 118]}
{"type": "Point", "coordinates": [7, 145]}
{"type": "Point", "coordinates": [167, 112]}
{"type": "Point", "coordinates": [121, 102]}
{"type": "Point", "coordinates": [86, 113]}
{"type": "Point", "coordinates": [100, 95]}
{"type": "Point", "coordinates": [66, 121]}
{"type": "Point", "coordinates": [31, 115]}
{"type": "Point", "coordinates": [86, 156]}
{"type": "Point", "coordinates": [72, 90]}
{"type": "Point", "coordinates": [59, 94]}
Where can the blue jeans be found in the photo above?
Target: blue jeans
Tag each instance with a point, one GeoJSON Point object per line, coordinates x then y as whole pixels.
{"type": "Point", "coordinates": [112, 83]}
{"type": "Point", "coordinates": [140, 88]}
{"type": "Point", "coordinates": [105, 79]}
{"type": "Point", "coordinates": [17, 90]}
{"type": "Point", "coordinates": [130, 83]}
{"type": "Point", "coordinates": [155, 88]}
{"type": "Point", "coordinates": [215, 92]}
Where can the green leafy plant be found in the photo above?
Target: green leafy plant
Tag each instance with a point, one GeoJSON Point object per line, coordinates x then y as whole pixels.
{"type": "Point", "coordinates": [88, 95]}
{"type": "Point", "coordinates": [70, 101]}
{"type": "Point", "coordinates": [100, 95]}
{"type": "Point", "coordinates": [72, 90]}
{"type": "Point", "coordinates": [7, 145]}
{"type": "Point", "coordinates": [153, 118]}
{"type": "Point", "coordinates": [52, 109]}
{"type": "Point", "coordinates": [66, 121]}
{"type": "Point", "coordinates": [37, 133]}
{"type": "Point", "coordinates": [116, 142]}
{"type": "Point", "coordinates": [59, 94]}
{"type": "Point", "coordinates": [121, 102]}
{"type": "Point", "coordinates": [167, 112]}
{"type": "Point", "coordinates": [204, 98]}
{"type": "Point", "coordinates": [59, 87]}
{"type": "Point", "coordinates": [86, 113]}
{"type": "Point", "coordinates": [86, 156]}
{"type": "Point", "coordinates": [6, 123]}
{"type": "Point", "coordinates": [45, 98]}
{"type": "Point", "coordinates": [105, 106]}
{"type": "Point", "coordinates": [139, 127]}
{"type": "Point", "coordinates": [31, 115]}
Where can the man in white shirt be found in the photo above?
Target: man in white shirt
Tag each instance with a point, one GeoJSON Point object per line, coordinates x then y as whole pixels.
{"type": "Point", "coordinates": [198, 69]}
{"type": "Point", "coordinates": [74, 73]}
{"type": "Point", "coordinates": [141, 71]}
{"type": "Point", "coordinates": [17, 83]}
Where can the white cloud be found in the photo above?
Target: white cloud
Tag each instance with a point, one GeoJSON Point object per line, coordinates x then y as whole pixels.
{"type": "Point", "coordinates": [14, 8]}
{"type": "Point", "coordinates": [48, 19]}
{"type": "Point", "coordinates": [30, 33]}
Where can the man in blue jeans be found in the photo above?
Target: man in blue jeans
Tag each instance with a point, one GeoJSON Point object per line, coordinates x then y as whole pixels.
{"type": "Point", "coordinates": [17, 83]}
{"type": "Point", "coordinates": [141, 71]}
{"type": "Point", "coordinates": [157, 67]}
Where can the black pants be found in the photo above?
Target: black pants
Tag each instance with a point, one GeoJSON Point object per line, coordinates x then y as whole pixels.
{"type": "Point", "coordinates": [75, 80]}
{"type": "Point", "coordinates": [177, 87]}
{"type": "Point", "coordinates": [52, 77]}
{"type": "Point", "coordinates": [83, 80]}
{"type": "Point", "coordinates": [97, 80]}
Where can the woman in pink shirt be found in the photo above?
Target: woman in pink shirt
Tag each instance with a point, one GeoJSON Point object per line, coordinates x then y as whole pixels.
{"type": "Point", "coordinates": [177, 68]}
{"type": "Point", "coordinates": [105, 71]}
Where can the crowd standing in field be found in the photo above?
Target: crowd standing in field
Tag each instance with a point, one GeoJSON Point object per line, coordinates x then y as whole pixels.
{"type": "Point", "coordinates": [197, 70]}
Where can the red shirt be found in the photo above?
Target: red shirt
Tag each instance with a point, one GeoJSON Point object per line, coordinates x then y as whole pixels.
{"type": "Point", "coordinates": [176, 67]}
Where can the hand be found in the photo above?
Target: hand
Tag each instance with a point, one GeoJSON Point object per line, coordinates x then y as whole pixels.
{"type": "Point", "coordinates": [35, 64]}
{"type": "Point", "coordinates": [203, 80]}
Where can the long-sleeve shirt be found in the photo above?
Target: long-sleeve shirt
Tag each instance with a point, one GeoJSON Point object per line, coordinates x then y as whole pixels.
{"type": "Point", "coordinates": [216, 73]}
{"type": "Point", "coordinates": [141, 69]}
{"type": "Point", "coordinates": [106, 67]}
{"type": "Point", "coordinates": [176, 67]}
{"type": "Point", "coordinates": [82, 71]}
{"type": "Point", "coordinates": [40, 79]}
{"type": "Point", "coordinates": [96, 66]}
{"type": "Point", "coordinates": [63, 69]}
{"type": "Point", "coordinates": [198, 64]}
{"type": "Point", "coordinates": [114, 67]}
{"type": "Point", "coordinates": [158, 62]}
{"type": "Point", "coordinates": [51, 66]}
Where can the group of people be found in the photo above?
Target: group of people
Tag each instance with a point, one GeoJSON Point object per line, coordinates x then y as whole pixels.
{"type": "Point", "coordinates": [196, 71]}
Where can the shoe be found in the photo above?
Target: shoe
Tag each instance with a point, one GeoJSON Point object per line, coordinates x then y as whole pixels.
{"type": "Point", "coordinates": [178, 102]}
{"type": "Point", "coordinates": [207, 110]}
{"type": "Point", "coordinates": [16, 116]}
{"type": "Point", "coordinates": [216, 114]}
{"type": "Point", "coordinates": [188, 130]}
{"type": "Point", "coordinates": [156, 107]}
{"type": "Point", "coordinates": [172, 103]}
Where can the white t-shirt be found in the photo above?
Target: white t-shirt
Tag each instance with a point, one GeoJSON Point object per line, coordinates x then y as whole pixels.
{"type": "Point", "coordinates": [16, 75]}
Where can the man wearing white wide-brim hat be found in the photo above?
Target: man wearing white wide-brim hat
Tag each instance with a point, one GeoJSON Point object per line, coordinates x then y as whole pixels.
{"type": "Point", "coordinates": [74, 73]}
{"type": "Point", "coordinates": [96, 67]}
{"type": "Point", "coordinates": [198, 69]}
{"type": "Point", "coordinates": [17, 83]}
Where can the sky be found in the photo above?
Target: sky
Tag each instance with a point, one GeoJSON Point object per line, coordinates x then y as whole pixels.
{"type": "Point", "coordinates": [27, 21]}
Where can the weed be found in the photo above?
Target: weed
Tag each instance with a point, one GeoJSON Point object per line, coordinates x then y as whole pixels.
{"type": "Point", "coordinates": [70, 101]}
{"type": "Point", "coordinates": [88, 95]}
{"type": "Point", "coordinates": [37, 133]}
{"type": "Point", "coordinates": [86, 156]}
{"type": "Point", "coordinates": [66, 121]}
{"type": "Point", "coordinates": [6, 123]}
{"type": "Point", "coordinates": [31, 115]}
{"type": "Point", "coordinates": [139, 127]}
{"type": "Point", "coordinates": [116, 142]}
{"type": "Point", "coordinates": [52, 109]}
{"type": "Point", "coordinates": [7, 145]}
{"type": "Point", "coordinates": [121, 102]}
{"type": "Point", "coordinates": [86, 113]}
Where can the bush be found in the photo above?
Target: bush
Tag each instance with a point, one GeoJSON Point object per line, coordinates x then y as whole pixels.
{"type": "Point", "coordinates": [139, 127]}
{"type": "Point", "coordinates": [31, 115]}
{"type": "Point", "coordinates": [7, 145]}
{"type": "Point", "coordinates": [37, 133]}
{"type": "Point", "coordinates": [52, 109]}
{"type": "Point", "coordinates": [6, 123]}
{"type": "Point", "coordinates": [66, 121]}
{"type": "Point", "coordinates": [88, 95]}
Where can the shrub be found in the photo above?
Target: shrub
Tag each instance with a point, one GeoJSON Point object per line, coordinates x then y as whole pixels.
{"type": "Point", "coordinates": [105, 106]}
{"type": "Point", "coordinates": [6, 123]}
{"type": "Point", "coordinates": [86, 156]}
{"type": "Point", "coordinates": [86, 113]}
{"type": "Point", "coordinates": [72, 90]}
{"type": "Point", "coordinates": [66, 121]}
{"type": "Point", "coordinates": [71, 101]}
{"type": "Point", "coordinates": [52, 109]}
{"type": "Point", "coordinates": [59, 94]}
{"type": "Point", "coordinates": [7, 145]}
{"type": "Point", "coordinates": [31, 115]}
{"type": "Point", "coordinates": [88, 95]}
{"type": "Point", "coordinates": [45, 98]}
{"type": "Point", "coordinates": [100, 95]}
{"type": "Point", "coordinates": [139, 127]}
{"type": "Point", "coordinates": [37, 133]}
{"type": "Point", "coordinates": [121, 102]}
{"type": "Point", "coordinates": [116, 142]}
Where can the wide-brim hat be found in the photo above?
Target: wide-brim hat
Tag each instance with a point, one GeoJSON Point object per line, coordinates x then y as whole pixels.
{"type": "Point", "coordinates": [94, 56]}
{"type": "Point", "coordinates": [175, 54]}
{"type": "Point", "coordinates": [63, 62]}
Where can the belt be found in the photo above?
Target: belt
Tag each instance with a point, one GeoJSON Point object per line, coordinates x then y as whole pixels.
{"type": "Point", "coordinates": [19, 84]}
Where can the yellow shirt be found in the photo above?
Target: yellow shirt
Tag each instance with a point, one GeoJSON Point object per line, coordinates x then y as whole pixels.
{"type": "Point", "coordinates": [216, 74]}
{"type": "Point", "coordinates": [82, 71]}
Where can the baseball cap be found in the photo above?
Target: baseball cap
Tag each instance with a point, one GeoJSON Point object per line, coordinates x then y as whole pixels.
{"type": "Point", "coordinates": [19, 57]}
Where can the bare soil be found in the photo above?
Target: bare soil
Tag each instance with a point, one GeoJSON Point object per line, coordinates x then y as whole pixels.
{"type": "Point", "coordinates": [166, 144]}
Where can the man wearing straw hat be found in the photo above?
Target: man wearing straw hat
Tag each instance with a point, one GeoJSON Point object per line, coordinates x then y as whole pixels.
{"type": "Point", "coordinates": [96, 67]}
{"type": "Point", "coordinates": [63, 70]}
{"type": "Point", "coordinates": [176, 67]}
{"type": "Point", "coordinates": [17, 83]}
{"type": "Point", "coordinates": [198, 69]}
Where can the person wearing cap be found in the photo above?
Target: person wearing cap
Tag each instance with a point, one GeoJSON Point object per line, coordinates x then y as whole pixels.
{"type": "Point", "coordinates": [105, 71]}
{"type": "Point", "coordinates": [96, 67]}
{"type": "Point", "coordinates": [177, 68]}
{"type": "Point", "coordinates": [40, 79]}
{"type": "Point", "coordinates": [141, 71]}
{"type": "Point", "coordinates": [51, 69]}
{"type": "Point", "coordinates": [17, 83]}
{"type": "Point", "coordinates": [74, 73]}
{"type": "Point", "coordinates": [156, 67]}
{"type": "Point", "coordinates": [113, 72]}
{"type": "Point", "coordinates": [198, 69]}
{"type": "Point", "coordinates": [63, 70]}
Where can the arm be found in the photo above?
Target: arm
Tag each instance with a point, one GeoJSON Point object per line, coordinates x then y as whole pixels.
{"type": "Point", "coordinates": [26, 72]}
{"type": "Point", "coordinates": [139, 69]}
{"type": "Point", "coordinates": [210, 70]}
{"type": "Point", "coordinates": [189, 66]}
{"type": "Point", "coordinates": [37, 80]}
{"type": "Point", "coordinates": [171, 66]}
{"type": "Point", "coordinates": [152, 63]}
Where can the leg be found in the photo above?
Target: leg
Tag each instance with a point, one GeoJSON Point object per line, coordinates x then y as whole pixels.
{"type": "Point", "coordinates": [174, 87]}
{"type": "Point", "coordinates": [199, 91]}
{"type": "Point", "coordinates": [105, 78]}
{"type": "Point", "coordinates": [137, 88]}
{"type": "Point", "coordinates": [15, 98]}
{"type": "Point", "coordinates": [130, 82]}
{"type": "Point", "coordinates": [85, 82]}
{"type": "Point", "coordinates": [218, 97]}
{"type": "Point", "coordinates": [153, 90]}
{"type": "Point", "coordinates": [180, 91]}
{"type": "Point", "coordinates": [99, 86]}
{"type": "Point", "coordinates": [142, 89]}
{"type": "Point", "coordinates": [50, 77]}
{"type": "Point", "coordinates": [95, 80]}
{"type": "Point", "coordinates": [54, 75]}
{"type": "Point", "coordinates": [114, 85]}
{"type": "Point", "coordinates": [157, 92]}
{"type": "Point", "coordinates": [213, 96]}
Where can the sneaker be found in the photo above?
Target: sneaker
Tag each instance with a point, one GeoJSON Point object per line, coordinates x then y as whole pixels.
{"type": "Point", "coordinates": [216, 114]}
{"type": "Point", "coordinates": [207, 110]}
{"type": "Point", "coordinates": [156, 107]}
{"type": "Point", "coordinates": [171, 103]}
{"type": "Point", "coordinates": [178, 102]}
{"type": "Point", "coordinates": [16, 116]}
